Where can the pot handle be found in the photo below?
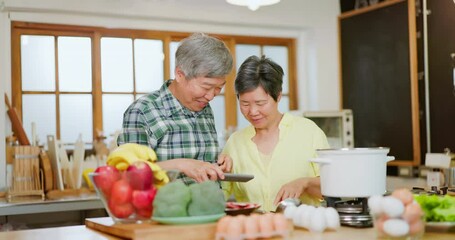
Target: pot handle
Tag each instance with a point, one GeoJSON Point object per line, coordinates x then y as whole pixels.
{"type": "Point", "coordinates": [321, 160]}
{"type": "Point", "coordinates": [390, 158]}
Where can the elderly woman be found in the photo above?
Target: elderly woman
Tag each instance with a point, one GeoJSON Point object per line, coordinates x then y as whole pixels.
{"type": "Point", "coordinates": [276, 146]}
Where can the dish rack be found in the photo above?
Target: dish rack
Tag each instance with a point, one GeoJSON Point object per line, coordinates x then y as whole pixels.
{"type": "Point", "coordinates": [26, 180]}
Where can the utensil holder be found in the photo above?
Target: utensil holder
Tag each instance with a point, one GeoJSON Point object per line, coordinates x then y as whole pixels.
{"type": "Point", "coordinates": [27, 177]}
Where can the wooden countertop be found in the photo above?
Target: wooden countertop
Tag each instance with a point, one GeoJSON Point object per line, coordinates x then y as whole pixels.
{"type": "Point", "coordinates": [82, 232]}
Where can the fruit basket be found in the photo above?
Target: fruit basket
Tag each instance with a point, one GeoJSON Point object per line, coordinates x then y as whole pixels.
{"type": "Point", "coordinates": [126, 195]}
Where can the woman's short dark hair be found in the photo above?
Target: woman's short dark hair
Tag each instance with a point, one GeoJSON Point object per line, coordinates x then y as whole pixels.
{"type": "Point", "coordinates": [255, 72]}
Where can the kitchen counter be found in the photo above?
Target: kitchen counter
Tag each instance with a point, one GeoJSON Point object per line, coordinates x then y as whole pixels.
{"type": "Point", "coordinates": [67, 204]}
{"type": "Point", "coordinates": [82, 232]}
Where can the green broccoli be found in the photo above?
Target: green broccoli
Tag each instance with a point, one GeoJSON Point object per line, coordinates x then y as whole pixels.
{"type": "Point", "coordinates": [206, 199]}
{"type": "Point", "coordinates": [172, 200]}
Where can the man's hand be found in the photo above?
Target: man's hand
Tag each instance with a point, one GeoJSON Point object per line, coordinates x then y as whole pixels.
{"type": "Point", "coordinates": [201, 171]}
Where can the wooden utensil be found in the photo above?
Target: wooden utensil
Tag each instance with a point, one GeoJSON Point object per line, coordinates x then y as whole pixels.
{"type": "Point", "coordinates": [47, 169]}
{"type": "Point", "coordinates": [55, 161]}
{"type": "Point", "coordinates": [16, 124]}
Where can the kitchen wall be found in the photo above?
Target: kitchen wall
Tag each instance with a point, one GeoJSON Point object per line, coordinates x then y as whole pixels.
{"type": "Point", "coordinates": [312, 23]}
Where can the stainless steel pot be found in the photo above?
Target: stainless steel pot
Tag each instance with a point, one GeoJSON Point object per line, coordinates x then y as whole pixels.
{"type": "Point", "coordinates": [353, 172]}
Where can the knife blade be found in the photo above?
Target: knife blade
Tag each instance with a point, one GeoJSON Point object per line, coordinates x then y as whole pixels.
{"type": "Point", "coordinates": [236, 177]}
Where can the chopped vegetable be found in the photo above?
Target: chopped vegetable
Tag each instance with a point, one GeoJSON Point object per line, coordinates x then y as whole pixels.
{"type": "Point", "coordinates": [207, 199]}
{"type": "Point", "coordinates": [436, 208]}
{"type": "Point", "coordinates": [172, 200]}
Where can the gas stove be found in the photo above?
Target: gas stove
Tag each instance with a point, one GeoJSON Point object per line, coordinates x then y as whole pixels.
{"type": "Point", "coordinates": [353, 212]}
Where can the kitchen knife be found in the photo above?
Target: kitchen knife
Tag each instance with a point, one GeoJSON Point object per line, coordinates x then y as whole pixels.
{"type": "Point", "coordinates": [235, 177]}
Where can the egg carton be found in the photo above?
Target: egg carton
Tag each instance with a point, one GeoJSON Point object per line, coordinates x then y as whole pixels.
{"type": "Point", "coordinates": [283, 234]}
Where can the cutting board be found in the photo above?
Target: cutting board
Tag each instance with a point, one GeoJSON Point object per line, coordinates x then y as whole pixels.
{"type": "Point", "coordinates": [45, 163]}
{"type": "Point", "coordinates": [153, 230]}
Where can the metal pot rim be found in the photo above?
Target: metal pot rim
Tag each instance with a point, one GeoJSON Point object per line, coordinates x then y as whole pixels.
{"type": "Point", "coordinates": [353, 149]}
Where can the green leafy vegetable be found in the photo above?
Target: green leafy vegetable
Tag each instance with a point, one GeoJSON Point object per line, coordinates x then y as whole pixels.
{"type": "Point", "coordinates": [172, 200]}
{"type": "Point", "coordinates": [206, 199]}
{"type": "Point", "coordinates": [437, 208]}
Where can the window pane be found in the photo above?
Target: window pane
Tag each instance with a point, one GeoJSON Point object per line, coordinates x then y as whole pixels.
{"type": "Point", "coordinates": [37, 63]}
{"type": "Point", "coordinates": [39, 108]}
{"type": "Point", "coordinates": [218, 106]}
{"type": "Point", "coordinates": [75, 64]}
{"type": "Point", "coordinates": [279, 54]}
{"type": "Point", "coordinates": [241, 120]}
{"type": "Point", "coordinates": [243, 51]}
{"type": "Point", "coordinates": [172, 49]}
{"type": "Point", "coordinates": [76, 117]}
{"type": "Point", "coordinates": [114, 105]}
{"type": "Point", "coordinates": [283, 105]}
{"type": "Point", "coordinates": [149, 64]}
{"type": "Point", "coordinates": [117, 64]}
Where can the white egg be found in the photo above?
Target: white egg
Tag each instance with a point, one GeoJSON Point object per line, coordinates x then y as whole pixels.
{"type": "Point", "coordinates": [318, 222]}
{"type": "Point", "coordinates": [396, 227]}
{"type": "Point", "coordinates": [332, 218]}
{"type": "Point", "coordinates": [375, 204]}
{"type": "Point", "coordinates": [297, 218]}
{"type": "Point", "coordinates": [306, 217]}
{"type": "Point", "coordinates": [392, 207]}
{"type": "Point", "coordinates": [289, 211]}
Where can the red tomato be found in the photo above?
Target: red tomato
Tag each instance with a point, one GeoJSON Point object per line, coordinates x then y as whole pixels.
{"type": "Point", "coordinates": [121, 192]}
{"type": "Point", "coordinates": [105, 177]}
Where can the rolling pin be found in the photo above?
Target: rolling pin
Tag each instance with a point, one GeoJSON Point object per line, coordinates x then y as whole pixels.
{"type": "Point", "coordinates": [16, 123]}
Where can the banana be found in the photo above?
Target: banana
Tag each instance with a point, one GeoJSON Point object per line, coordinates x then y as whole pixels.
{"type": "Point", "coordinates": [129, 153]}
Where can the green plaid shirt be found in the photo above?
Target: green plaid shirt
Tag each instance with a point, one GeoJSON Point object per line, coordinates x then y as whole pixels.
{"type": "Point", "coordinates": [158, 120]}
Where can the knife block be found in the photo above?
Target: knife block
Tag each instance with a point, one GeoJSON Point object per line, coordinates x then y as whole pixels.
{"type": "Point", "coordinates": [26, 183]}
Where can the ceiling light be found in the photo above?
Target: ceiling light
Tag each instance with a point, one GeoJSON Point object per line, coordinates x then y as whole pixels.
{"type": "Point", "coordinates": [253, 5]}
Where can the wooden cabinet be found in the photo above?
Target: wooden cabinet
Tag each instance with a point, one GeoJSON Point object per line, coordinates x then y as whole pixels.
{"type": "Point", "coordinates": [379, 77]}
{"type": "Point", "coordinates": [441, 74]}
{"type": "Point", "coordinates": [399, 98]}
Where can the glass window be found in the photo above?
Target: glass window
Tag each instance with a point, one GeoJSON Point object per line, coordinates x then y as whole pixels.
{"type": "Point", "coordinates": [279, 54]}
{"type": "Point", "coordinates": [117, 64]}
{"type": "Point", "coordinates": [106, 69]}
{"type": "Point", "coordinates": [218, 107]}
{"type": "Point", "coordinates": [40, 109]}
{"type": "Point", "coordinates": [172, 49]}
{"type": "Point", "coordinates": [114, 105]}
{"type": "Point", "coordinates": [76, 117]}
{"type": "Point", "coordinates": [149, 64]}
{"type": "Point", "coordinates": [243, 51]}
{"type": "Point", "coordinates": [37, 63]}
{"type": "Point", "coordinates": [75, 64]}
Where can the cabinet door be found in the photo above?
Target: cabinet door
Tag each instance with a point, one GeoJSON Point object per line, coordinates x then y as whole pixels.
{"type": "Point", "coordinates": [441, 45]}
{"type": "Point", "coordinates": [379, 78]}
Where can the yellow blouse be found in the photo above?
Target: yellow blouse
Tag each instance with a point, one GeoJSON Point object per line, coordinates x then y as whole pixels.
{"type": "Point", "coordinates": [298, 140]}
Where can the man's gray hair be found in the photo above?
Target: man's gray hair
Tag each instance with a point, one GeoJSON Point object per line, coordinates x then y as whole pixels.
{"type": "Point", "coordinates": [200, 55]}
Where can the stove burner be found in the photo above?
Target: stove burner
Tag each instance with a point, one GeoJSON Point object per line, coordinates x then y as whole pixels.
{"type": "Point", "coordinates": [356, 220]}
{"type": "Point", "coordinates": [353, 213]}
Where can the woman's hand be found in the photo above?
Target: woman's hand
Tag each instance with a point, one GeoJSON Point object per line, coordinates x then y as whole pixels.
{"type": "Point", "coordinates": [225, 162]}
{"type": "Point", "coordinates": [296, 188]}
